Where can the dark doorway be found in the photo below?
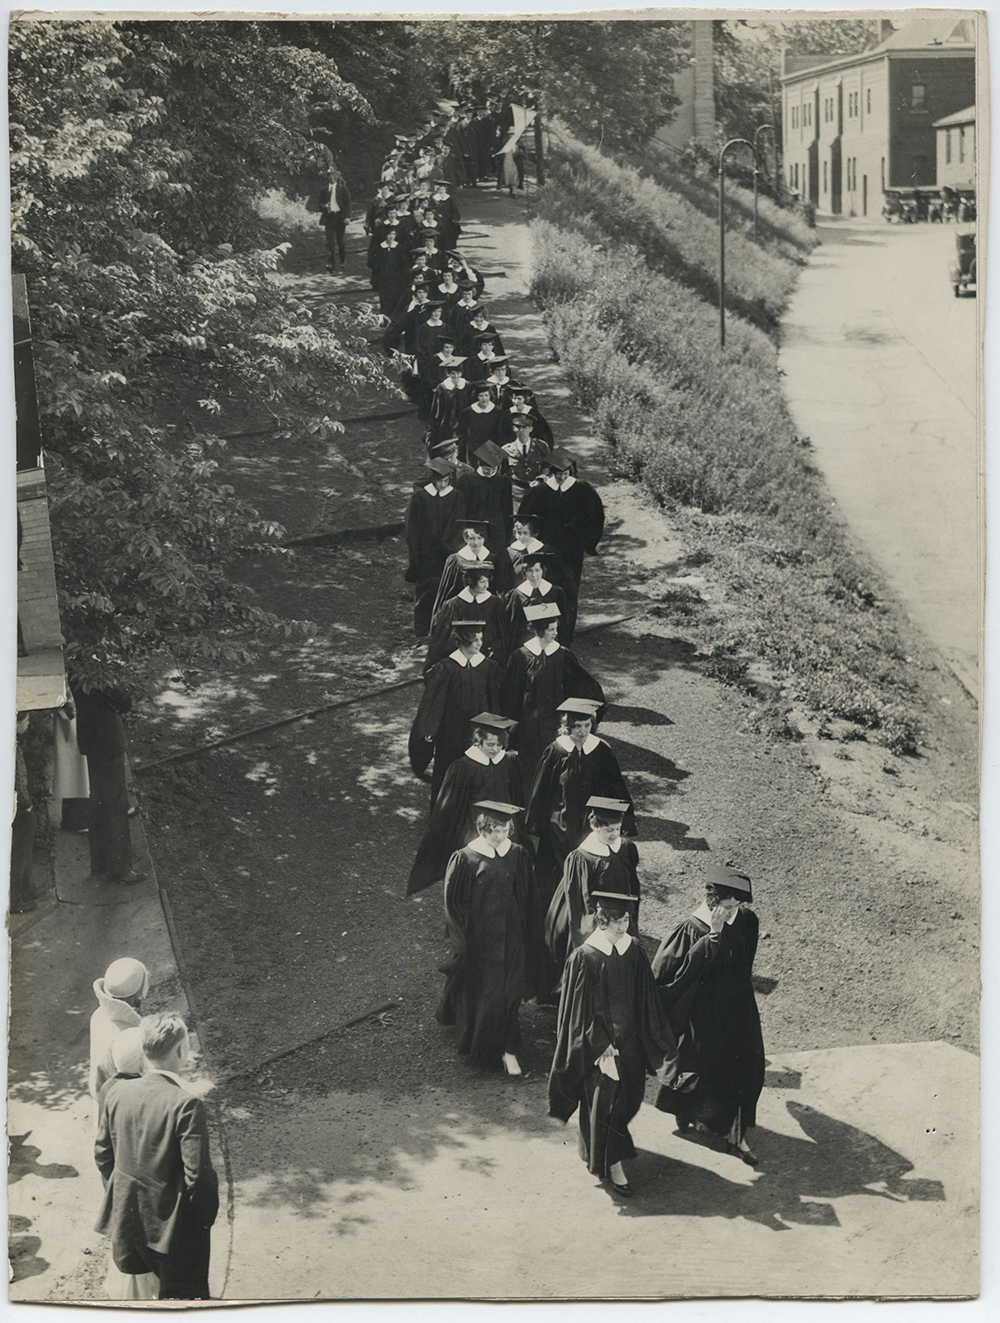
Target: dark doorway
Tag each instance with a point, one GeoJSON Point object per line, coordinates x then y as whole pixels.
{"type": "Point", "coordinates": [864, 195]}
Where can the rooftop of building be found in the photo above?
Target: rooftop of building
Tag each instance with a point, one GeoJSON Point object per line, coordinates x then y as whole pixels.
{"type": "Point", "coordinates": [958, 117]}
{"type": "Point", "coordinates": [925, 35]}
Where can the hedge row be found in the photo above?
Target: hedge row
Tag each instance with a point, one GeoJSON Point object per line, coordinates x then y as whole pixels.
{"type": "Point", "coordinates": [707, 432]}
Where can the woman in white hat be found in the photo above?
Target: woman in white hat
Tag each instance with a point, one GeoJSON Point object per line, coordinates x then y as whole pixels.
{"type": "Point", "coordinates": [119, 994]}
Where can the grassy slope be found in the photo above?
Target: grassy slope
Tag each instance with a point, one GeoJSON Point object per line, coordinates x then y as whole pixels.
{"type": "Point", "coordinates": [625, 272]}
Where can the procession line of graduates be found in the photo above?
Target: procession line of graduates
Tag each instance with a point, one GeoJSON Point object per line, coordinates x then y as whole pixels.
{"type": "Point", "coordinates": [531, 826]}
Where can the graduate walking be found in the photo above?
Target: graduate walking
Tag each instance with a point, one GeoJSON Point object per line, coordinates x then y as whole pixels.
{"type": "Point", "coordinates": [704, 974]}
{"type": "Point", "coordinates": [493, 923]}
{"type": "Point", "coordinates": [571, 511]}
{"type": "Point", "coordinates": [611, 1032]}
{"type": "Point", "coordinates": [432, 516]}
{"type": "Point", "coordinates": [486, 770]}
{"type": "Point", "coordinates": [603, 861]}
{"type": "Point", "coordinates": [473, 601]}
{"type": "Point", "coordinates": [464, 683]}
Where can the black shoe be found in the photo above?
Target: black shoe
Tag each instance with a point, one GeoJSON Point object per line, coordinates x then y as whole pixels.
{"type": "Point", "coordinates": [624, 1190]}
{"type": "Point", "coordinates": [127, 879]}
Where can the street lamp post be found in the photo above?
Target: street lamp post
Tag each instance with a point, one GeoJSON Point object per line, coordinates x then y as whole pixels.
{"type": "Point", "coordinates": [733, 142]}
{"type": "Point", "coordinates": [761, 128]}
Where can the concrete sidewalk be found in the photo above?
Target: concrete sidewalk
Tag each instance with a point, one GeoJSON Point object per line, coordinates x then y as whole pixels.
{"type": "Point", "coordinates": [56, 953]}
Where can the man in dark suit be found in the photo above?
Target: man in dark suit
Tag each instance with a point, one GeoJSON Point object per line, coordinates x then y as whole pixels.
{"type": "Point", "coordinates": [161, 1193]}
{"type": "Point", "coordinates": [101, 737]}
{"type": "Point", "coordinates": [334, 213]}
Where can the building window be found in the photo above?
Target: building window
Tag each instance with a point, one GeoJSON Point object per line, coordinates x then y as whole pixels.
{"type": "Point", "coordinates": [868, 100]}
{"type": "Point", "coordinates": [826, 187]}
{"type": "Point", "coordinates": [947, 146]}
{"type": "Point", "coordinates": [918, 97]}
{"type": "Point", "coordinates": [961, 146]}
{"type": "Point", "coordinates": [883, 174]}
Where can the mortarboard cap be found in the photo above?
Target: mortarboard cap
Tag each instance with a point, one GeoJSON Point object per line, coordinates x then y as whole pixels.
{"type": "Point", "coordinates": [542, 611]}
{"type": "Point", "coordinates": [495, 806]}
{"type": "Point", "coordinates": [490, 453]}
{"type": "Point", "coordinates": [559, 459]}
{"type": "Point", "coordinates": [440, 466]}
{"type": "Point", "coordinates": [453, 362]}
{"type": "Point", "coordinates": [468, 624]}
{"type": "Point", "coordinates": [535, 557]}
{"type": "Point", "coordinates": [585, 706]}
{"type": "Point", "coordinates": [453, 252]}
{"type": "Point", "coordinates": [472, 523]}
{"type": "Point", "coordinates": [724, 875]}
{"type": "Point", "coordinates": [613, 895]}
{"type": "Point", "coordinates": [493, 720]}
{"type": "Point", "coordinates": [608, 805]}
{"type": "Point", "coordinates": [475, 567]}
{"type": "Point", "coordinates": [446, 444]}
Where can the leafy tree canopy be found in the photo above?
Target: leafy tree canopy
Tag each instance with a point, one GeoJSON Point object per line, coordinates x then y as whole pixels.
{"type": "Point", "coordinates": [138, 151]}
{"type": "Point", "coordinates": [605, 79]}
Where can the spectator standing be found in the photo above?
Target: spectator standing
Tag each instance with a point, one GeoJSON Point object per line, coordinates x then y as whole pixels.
{"type": "Point", "coordinates": [161, 1192]}
{"type": "Point", "coordinates": [120, 995]}
{"type": "Point", "coordinates": [101, 737]}
{"type": "Point", "coordinates": [70, 783]}
{"type": "Point", "coordinates": [22, 835]}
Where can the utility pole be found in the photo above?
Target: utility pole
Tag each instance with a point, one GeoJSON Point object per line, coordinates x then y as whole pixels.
{"type": "Point", "coordinates": [761, 128]}
{"type": "Point", "coordinates": [733, 142]}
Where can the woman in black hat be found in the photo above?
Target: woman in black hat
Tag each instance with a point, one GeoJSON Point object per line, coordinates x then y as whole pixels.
{"type": "Point", "coordinates": [576, 765]}
{"type": "Point", "coordinates": [448, 399]}
{"type": "Point", "coordinates": [571, 510]}
{"type": "Point", "coordinates": [473, 551]}
{"type": "Point", "coordinates": [704, 974]}
{"type": "Point", "coordinates": [472, 601]}
{"type": "Point", "coordinates": [435, 509]}
{"type": "Point", "coordinates": [489, 498]}
{"type": "Point", "coordinates": [493, 922]}
{"type": "Point", "coordinates": [486, 770]}
{"type": "Point", "coordinates": [462, 684]}
{"type": "Point", "coordinates": [481, 421]}
{"type": "Point", "coordinates": [537, 589]}
{"type": "Point", "coordinates": [603, 861]}
{"type": "Point", "coordinates": [540, 675]}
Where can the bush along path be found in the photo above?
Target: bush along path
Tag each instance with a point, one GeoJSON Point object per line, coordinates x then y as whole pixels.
{"type": "Point", "coordinates": [286, 858]}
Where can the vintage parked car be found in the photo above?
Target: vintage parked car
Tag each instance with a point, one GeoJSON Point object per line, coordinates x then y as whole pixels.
{"type": "Point", "coordinates": [962, 269]}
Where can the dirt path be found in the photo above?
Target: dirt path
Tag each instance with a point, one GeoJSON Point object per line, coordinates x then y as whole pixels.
{"type": "Point", "coordinates": [286, 860]}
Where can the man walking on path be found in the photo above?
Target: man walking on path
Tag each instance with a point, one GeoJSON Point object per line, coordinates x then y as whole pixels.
{"type": "Point", "coordinates": [335, 212]}
{"type": "Point", "coordinates": [161, 1193]}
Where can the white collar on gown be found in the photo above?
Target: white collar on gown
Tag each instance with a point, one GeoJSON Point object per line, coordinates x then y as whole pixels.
{"type": "Point", "coordinates": [459, 656]}
{"type": "Point", "coordinates": [535, 645]}
{"type": "Point", "coordinates": [476, 754]}
{"type": "Point", "coordinates": [599, 939]}
{"type": "Point", "coordinates": [484, 848]}
{"type": "Point", "coordinates": [589, 744]}
{"type": "Point", "coordinates": [594, 845]}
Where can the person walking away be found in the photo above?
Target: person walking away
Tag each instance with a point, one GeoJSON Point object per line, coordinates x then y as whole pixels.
{"type": "Point", "coordinates": [101, 737]}
{"type": "Point", "coordinates": [22, 834]}
{"type": "Point", "coordinates": [493, 922]}
{"type": "Point", "coordinates": [161, 1192]}
{"type": "Point", "coordinates": [704, 973]}
{"type": "Point", "coordinates": [130, 1064]}
{"type": "Point", "coordinates": [610, 1033]}
{"type": "Point", "coordinates": [335, 212]}
{"type": "Point", "coordinates": [120, 994]}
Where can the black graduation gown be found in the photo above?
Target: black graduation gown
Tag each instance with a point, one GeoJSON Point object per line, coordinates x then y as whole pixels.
{"type": "Point", "coordinates": [557, 814]}
{"type": "Point", "coordinates": [475, 428]}
{"type": "Point", "coordinates": [517, 624]}
{"type": "Point", "coordinates": [492, 922]}
{"type": "Point", "coordinates": [706, 990]}
{"type": "Point", "coordinates": [449, 220]}
{"type": "Point", "coordinates": [429, 526]}
{"type": "Point", "coordinates": [392, 268]}
{"type": "Point", "coordinates": [555, 569]}
{"type": "Point", "coordinates": [606, 1001]}
{"type": "Point", "coordinates": [572, 520]}
{"type": "Point", "coordinates": [533, 687]}
{"type": "Point", "coordinates": [452, 824]}
{"type": "Point", "coordinates": [446, 407]}
{"type": "Point", "coordinates": [467, 333]}
{"type": "Point", "coordinates": [570, 918]}
{"type": "Point", "coordinates": [491, 500]}
{"type": "Point", "coordinates": [478, 368]}
{"type": "Point", "coordinates": [451, 578]}
{"type": "Point", "coordinates": [457, 609]}
{"type": "Point", "coordinates": [453, 695]}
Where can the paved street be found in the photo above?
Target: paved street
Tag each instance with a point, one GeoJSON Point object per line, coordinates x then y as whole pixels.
{"type": "Point", "coordinates": [881, 374]}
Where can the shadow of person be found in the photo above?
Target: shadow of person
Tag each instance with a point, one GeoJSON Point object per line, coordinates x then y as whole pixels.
{"type": "Point", "coordinates": [637, 716]}
{"type": "Point", "coordinates": [797, 1177]}
{"type": "Point", "coordinates": [674, 833]}
{"type": "Point", "coordinates": [24, 1162]}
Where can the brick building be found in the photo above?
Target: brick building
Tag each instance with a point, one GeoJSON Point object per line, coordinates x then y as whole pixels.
{"type": "Point", "coordinates": [855, 126]}
{"type": "Point", "coordinates": [694, 86]}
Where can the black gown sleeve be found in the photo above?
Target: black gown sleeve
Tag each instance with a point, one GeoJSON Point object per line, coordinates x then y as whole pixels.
{"type": "Point", "coordinates": [444, 827]}
{"type": "Point", "coordinates": [543, 790]}
{"type": "Point", "coordinates": [512, 686]}
{"type": "Point", "coordinates": [580, 1036]}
